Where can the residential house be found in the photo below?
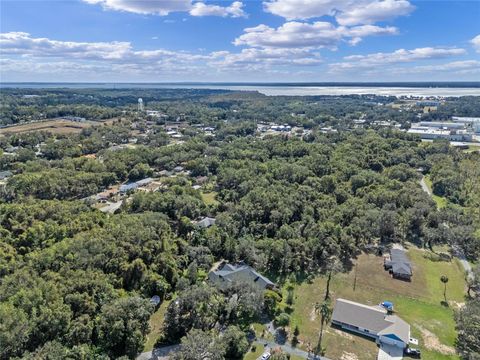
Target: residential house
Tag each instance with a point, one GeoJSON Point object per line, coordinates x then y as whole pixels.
{"type": "Point", "coordinates": [134, 185]}
{"type": "Point", "coordinates": [398, 264]}
{"type": "Point", "coordinates": [5, 174]}
{"type": "Point", "coordinates": [206, 222]}
{"type": "Point", "coordinates": [227, 274]}
{"type": "Point", "coordinates": [375, 322]}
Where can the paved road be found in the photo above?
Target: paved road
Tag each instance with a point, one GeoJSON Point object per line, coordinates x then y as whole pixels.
{"type": "Point", "coordinates": [158, 353]}
{"type": "Point", "coordinates": [425, 187]}
{"type": "Point", "coordinates": [289, 349]}
{"type": "Point", "coordinates": [463, 260]}
{"type": "Point", "coordinates": [389, 352]}
{"type": "Point", "coordinates": [164, 352]}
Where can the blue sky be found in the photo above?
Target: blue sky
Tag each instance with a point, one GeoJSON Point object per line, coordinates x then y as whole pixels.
{"type": "Point", "coordinates": [249, 40]}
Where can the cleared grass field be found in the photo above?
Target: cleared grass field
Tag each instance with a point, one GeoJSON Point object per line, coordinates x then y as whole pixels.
{"type": "Point", "coordinates": [417, 302]}
{"type": "Point", "coordinates": [440, 201]}
{"type": "Point", "coordinates": [156, 323]}
{"type": "Point", "coordinates": [53, 126]}
{"type": "Point", "coordinates": [254, 355]}
{"type": "Point", "coordinates": [209, 198]}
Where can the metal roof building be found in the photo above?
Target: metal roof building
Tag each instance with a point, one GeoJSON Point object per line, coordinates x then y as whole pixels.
{"type": "Point", "coordinates": [372, 321]}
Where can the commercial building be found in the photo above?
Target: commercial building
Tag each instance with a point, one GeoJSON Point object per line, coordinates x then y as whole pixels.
{"type": "Point", "coordinates": [432, 133]}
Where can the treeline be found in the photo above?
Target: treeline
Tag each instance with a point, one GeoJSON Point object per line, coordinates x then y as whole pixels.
{"type": "Point", "coordinates": [74, 281]}
{"type": "Point", "coordinates": [214, 106]}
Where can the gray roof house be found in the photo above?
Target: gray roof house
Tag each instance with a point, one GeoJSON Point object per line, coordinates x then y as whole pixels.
{"type": "Point", "coordinates": [227, 274]}
{"type": "Point", "coordinates": [5, 174]}
{"type": "Point", "coordinates": [399, 264]}
{"type": "Point", "coordinates": [371, 321]}
{"type": "Point", "coordinates": [206, 222]}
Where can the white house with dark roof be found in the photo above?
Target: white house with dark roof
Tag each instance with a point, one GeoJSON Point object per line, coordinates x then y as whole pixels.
{"type": "Point", "coordinates": [371, 321]}
{"type": "Point", "coordinates": [227, 274]}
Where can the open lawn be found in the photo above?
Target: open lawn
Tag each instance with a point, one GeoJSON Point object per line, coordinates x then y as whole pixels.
{"type": "Point", "coordinates": [156, 324]}
{"type": "Point", "coordinates": [53, 126]}
{"type": "Point", "coordinates": [418, 302]}
{"type": "Point", "coordinates": [472, 148]}
{"type": "Point", "coordinates": [209, 198]}
{"type": "Point", "coordinates": [440, 201]}
{"type": "Point", "coordinates": [254, 355]}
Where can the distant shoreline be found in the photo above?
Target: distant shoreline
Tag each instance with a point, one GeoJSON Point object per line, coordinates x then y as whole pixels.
{"type": "Point", "coordinates": [415, 90]}
{"type": "Point", "coordinates": [420, 84]}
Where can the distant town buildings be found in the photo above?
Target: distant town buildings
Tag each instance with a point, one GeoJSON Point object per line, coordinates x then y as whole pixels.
{"type": "Point", "coordinates": [458, 129]}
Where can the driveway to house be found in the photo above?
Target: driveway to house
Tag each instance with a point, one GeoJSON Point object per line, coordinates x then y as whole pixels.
{"type": "Point", "coordinates": [456, 250]}
{"type": "Point", "coordinates": [463, 260]}
{"type": "Point", "coordinates": [425, 187]}
{"type": "Point", "coordinates": [161, 353]}
{"type": "Point", "coordinates": [389, 352]}
{"type": "Point", "coordinates": [289, 349]}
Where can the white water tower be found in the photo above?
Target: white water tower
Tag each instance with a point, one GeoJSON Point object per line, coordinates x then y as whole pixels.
{"type": "Point", "coordinates": [140, 104]}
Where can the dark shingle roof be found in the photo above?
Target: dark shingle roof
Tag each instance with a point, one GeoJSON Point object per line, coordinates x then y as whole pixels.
{"type": "Point", "coordinates": [229, 273]}
{"type": "Point", "coordinates": [400, 262]}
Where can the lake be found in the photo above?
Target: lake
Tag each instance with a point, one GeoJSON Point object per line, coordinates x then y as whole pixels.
{"type": "Point", "coordinates": [275, 89]}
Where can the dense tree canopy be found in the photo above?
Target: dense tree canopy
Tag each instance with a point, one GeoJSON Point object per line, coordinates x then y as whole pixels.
{"type": "Point", "coordinates": [75, 282]}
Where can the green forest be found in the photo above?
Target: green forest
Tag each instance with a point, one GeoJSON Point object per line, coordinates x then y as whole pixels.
{"type": "Point", "coordinates": [76, 283]}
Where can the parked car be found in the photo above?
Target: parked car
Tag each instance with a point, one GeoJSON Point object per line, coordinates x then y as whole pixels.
{"type": "Point", "coordinates": [266, 356]}
{"type": "Point", "coordinates": [413, 352]}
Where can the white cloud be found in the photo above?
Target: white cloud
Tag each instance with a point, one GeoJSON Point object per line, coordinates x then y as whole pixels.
{"type": "Point", "coordinates": [303, 9]}
{"type": "Point", "coordinates": [464, 66]}
{"type": "Point", "coordinates": [295, 34]}
{"type": "Point", "coordinates": [202, 9]}
{"type": "Point", "coordinates": [373, 11]}
{"type": "Point", "coordinates": [22, 43]}
{"type": "Point", "coordinates": [165, 7]}
{"type": "Point", "coordinates": [156, 7]}
{"type": "Point", "coordinates": [346, 12]}
{"type": "Point", "coordinates": [22, 53]}
{"type": "Point", "coordinates": [27, 58]}
{"type": "Point", "coordinates": [355, 62]}
{"type": "Point", "coordinates": [265, 58]}
{"type": "Point", "coordinates": [476, 43]}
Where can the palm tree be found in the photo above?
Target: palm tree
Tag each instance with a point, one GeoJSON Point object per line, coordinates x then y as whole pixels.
{"type": "Point", "coordinates": [444, 280]}
{"type": "Point", "coordinates": [325, 312]}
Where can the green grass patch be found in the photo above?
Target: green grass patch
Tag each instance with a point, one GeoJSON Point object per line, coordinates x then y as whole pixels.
{"type": "Point", "coordinates": [254, 355]}
{"type": "Point", "coordinates": [418, 302]}
{"type": "Point", "coordinates": [156, 324]}
{"type": "Point", "coordinates": [472, 148]}
{"type": "Point", "coordinates": [439, 200]}
{"type": "Point", "coordinates": [209, 198]}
